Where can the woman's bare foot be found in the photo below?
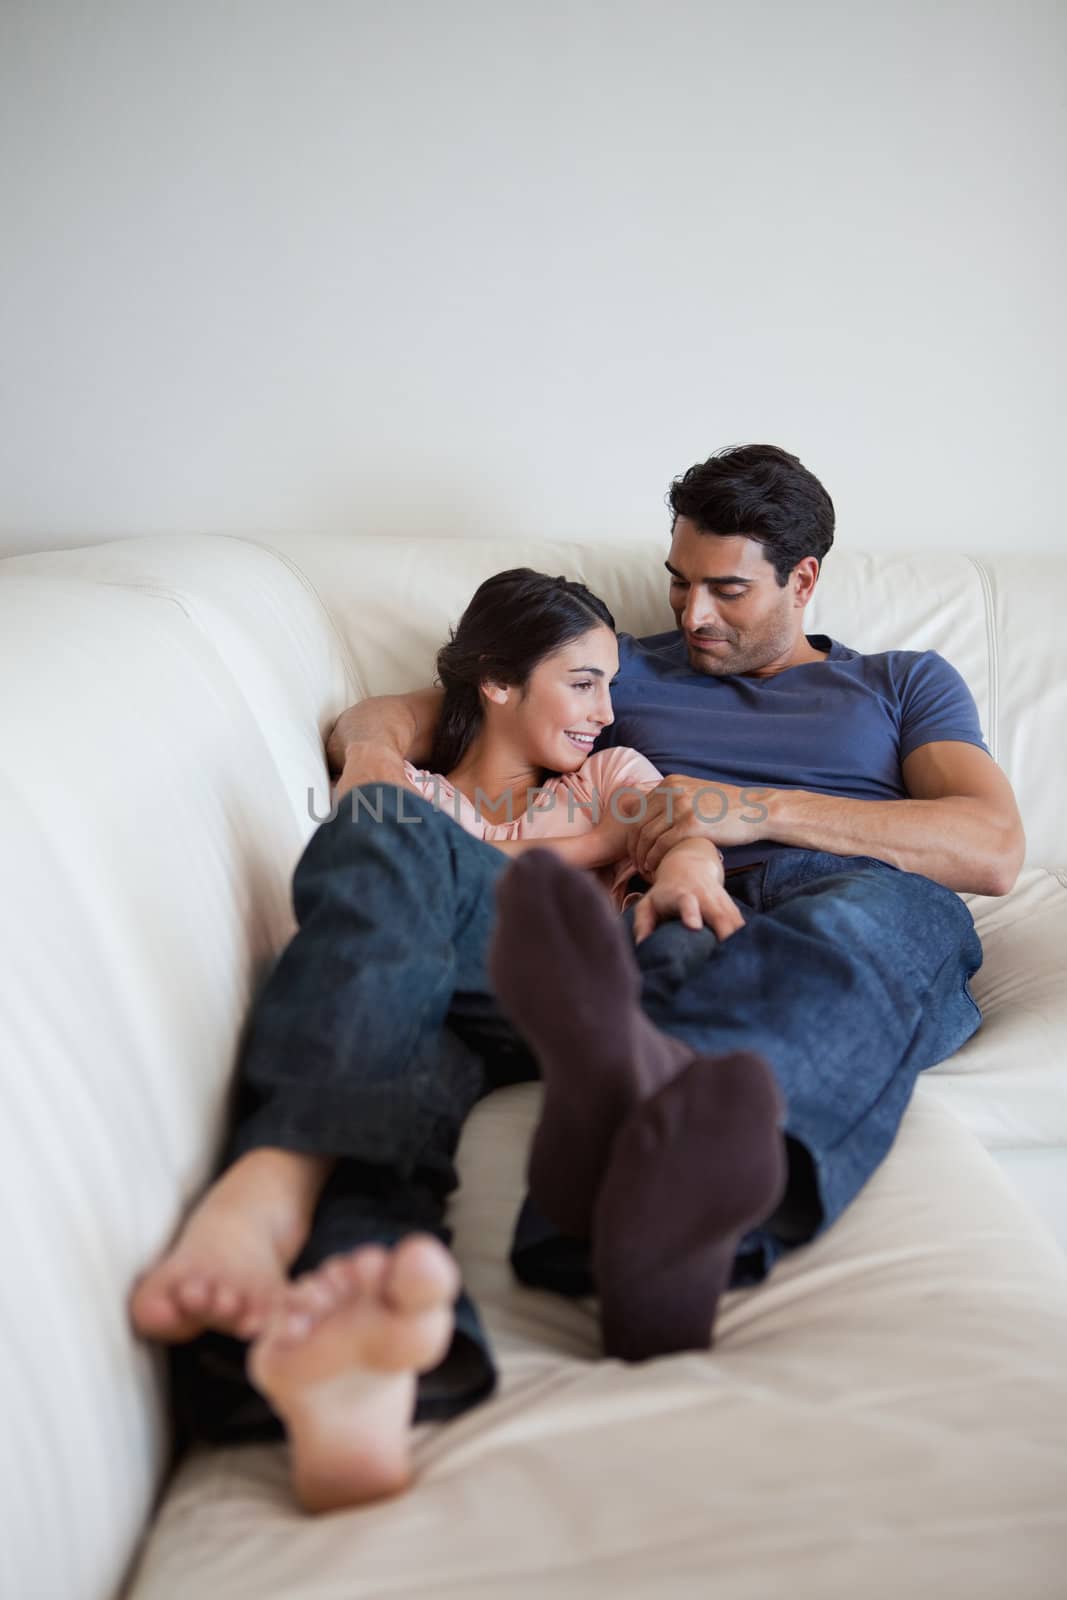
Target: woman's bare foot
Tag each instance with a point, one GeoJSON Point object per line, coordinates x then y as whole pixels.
{"type": "Point", "coordinates": [230, 1261]}
{"type": "Point", "coordinates": [338, 1362]}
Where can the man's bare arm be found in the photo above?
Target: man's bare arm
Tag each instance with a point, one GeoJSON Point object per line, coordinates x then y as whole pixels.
{"type": "Point", "coordinates": [960, 824]}
{"type": "Point", "coordinates": [370, 742]}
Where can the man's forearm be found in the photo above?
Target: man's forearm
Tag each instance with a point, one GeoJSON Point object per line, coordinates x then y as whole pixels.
{"type": "Point", "coordinates": [398, 726]}
{"type": "Point", "coordinates": [954, 841]}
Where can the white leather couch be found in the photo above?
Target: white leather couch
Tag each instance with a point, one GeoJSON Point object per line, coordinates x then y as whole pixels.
{"type": "Point", "coordinates": [886, 1416]}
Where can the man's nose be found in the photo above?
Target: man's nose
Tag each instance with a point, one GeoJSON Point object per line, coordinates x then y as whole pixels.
{"type": "Point", "coordinates": [699, 611]}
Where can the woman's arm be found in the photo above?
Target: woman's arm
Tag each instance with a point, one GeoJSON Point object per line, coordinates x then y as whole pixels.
{"type": "Point", "coordinates": [611, 839]}
{"type": "Point", "coordinates": [602, 846]}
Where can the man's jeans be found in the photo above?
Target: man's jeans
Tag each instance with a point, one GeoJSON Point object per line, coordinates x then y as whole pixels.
{"type": "Point", "coordinates": [377, 1033]}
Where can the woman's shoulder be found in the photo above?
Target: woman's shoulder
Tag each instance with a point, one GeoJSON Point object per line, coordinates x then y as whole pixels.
{"type": "Point", "coordinates": [427, 782]}
{"type": "Point", "coordinates": [435, 787]}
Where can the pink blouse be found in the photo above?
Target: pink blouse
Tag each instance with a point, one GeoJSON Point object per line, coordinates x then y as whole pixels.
{"type": "Point", "coordinates": [567, 805]}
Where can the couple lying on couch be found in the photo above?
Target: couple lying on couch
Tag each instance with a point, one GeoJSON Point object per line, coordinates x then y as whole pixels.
{"type": "Point", "coordinates": [724, 1065]}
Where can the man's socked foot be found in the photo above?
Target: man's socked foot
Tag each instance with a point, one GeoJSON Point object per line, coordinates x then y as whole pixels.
{"type": "Point", "coordinates": [339, 1360]}
{"type": "Point", "coordinates": [691, 1171]}
{"type": "Point", "coordinates": [564, 972]}
{"type": "Point", "coordinates": [231, 1259]}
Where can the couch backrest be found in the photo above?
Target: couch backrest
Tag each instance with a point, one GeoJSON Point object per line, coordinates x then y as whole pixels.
{"type": "Point", "coordinates": [996, 619]}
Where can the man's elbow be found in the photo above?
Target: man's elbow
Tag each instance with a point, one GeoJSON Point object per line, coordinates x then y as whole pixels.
{"type": "Point", "coordinates": [1005, 863]}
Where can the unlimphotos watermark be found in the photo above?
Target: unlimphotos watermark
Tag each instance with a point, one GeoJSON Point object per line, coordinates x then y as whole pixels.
{"type": "Point", "coordinates": [627, 804]}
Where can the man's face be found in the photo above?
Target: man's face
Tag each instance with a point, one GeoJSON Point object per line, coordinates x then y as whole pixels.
{"type": "Point", "coordinates": [728, 605]}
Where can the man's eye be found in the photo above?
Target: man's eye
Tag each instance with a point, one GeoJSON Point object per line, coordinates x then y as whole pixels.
{"type": "Point", "coordinates": [730, 594]}
{"type": "Point", "coordinates": [679, 583]}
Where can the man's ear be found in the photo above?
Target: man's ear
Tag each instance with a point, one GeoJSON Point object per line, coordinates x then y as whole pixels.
{"type": "Point", "coordinates": [805, 577]}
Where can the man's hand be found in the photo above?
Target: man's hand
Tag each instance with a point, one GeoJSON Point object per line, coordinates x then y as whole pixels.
{"type": "Point", "coordinates": [370, 741]}
{"type": "Point", "coordinates": [401, 723]}
{"type": "Point", "coordinates": [689, 886]}
{"type": "Point", "coordinates": [694, 808]}
{"type": "Point", "coordinates": [370, 763]}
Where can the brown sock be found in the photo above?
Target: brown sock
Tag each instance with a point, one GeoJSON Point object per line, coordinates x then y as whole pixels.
{"type": "Point", "coordinates": [564, 972]}
{"type": "Point", "coordinates": [691, 1171]}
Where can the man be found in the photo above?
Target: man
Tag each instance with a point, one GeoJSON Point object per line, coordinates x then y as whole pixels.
{"type": "Point", "coordinates": [814, 769]}
{"type": "Point", "coordinates": [709, 1102]}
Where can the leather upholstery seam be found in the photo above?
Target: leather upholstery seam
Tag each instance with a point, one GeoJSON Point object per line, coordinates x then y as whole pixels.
{"type": "Point", "coordinates": [153, 589]}
{"type": "Point", "coordinates": [301, 576]}
{"type": "Point", "coordinates": [991, 648]}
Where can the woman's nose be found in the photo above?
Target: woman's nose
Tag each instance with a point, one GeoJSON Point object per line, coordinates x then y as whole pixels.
{"type": "Point", "coordinates": [604, 712]}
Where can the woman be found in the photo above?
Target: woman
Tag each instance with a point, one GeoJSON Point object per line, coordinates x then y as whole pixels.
{"type": "Point", "coordinates": [527, 679]}
{"type": "Point", "coordinates": [377, 1032]}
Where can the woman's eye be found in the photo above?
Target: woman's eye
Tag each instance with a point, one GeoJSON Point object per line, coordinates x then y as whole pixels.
{"type": "Point", "coordinates": [587, 684]}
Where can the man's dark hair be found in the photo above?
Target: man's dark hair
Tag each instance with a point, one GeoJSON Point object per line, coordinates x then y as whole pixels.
{"type": "Point", "coordinates": [514, 620]}
{"type": "Point", "coordinates": [762, 493]}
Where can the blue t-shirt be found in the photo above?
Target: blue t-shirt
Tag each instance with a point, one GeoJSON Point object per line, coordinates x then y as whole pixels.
{"type": "Point", "coordinates": [839, 726]}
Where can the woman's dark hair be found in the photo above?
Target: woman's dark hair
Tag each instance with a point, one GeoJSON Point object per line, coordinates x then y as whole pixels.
{"type": "Point", "coordinates": [762, 493]}
{"type": "Point", "coordinates": [514, 620]}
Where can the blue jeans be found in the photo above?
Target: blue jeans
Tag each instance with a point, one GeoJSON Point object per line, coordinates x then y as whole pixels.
{"type": "Point", "coordinates": [377, 1033]}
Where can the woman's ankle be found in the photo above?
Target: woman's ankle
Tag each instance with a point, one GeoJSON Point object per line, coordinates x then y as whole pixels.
{"type": "Point", "coordinates": [286, 1183]}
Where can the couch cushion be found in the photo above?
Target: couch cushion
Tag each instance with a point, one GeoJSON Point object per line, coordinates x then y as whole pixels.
{"type": "Point", "coordinates": [886, 1415]}
{"type": "Point", "coordinates": [1009, 1082]}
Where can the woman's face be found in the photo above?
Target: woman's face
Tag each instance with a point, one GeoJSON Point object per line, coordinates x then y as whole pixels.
{"type": "Point", "coordinates": [566, 702]}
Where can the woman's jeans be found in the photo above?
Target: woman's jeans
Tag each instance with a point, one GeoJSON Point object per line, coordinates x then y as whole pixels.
{"type": "Point", "coordinates": [377, 1033]}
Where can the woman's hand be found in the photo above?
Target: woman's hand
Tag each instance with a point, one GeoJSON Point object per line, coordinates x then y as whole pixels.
{"type": "Point", "coordinates": [689, 885]}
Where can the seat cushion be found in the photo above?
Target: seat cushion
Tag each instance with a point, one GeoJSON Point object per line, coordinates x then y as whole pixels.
{"type": "Point", "coordinates": [1009, 1082]}
{"type": "Point", "coordinates": [886, 1415]}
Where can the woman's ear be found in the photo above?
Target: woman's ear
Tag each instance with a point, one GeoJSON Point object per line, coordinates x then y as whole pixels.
{"type": "Point", "coordinates": [495, 691]}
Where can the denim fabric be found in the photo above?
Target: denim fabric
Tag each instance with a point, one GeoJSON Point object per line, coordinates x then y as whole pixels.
{"type": "Point", "coordinates": [850, 977]}
{"type": "Point", "coordinates": [377, 1033]}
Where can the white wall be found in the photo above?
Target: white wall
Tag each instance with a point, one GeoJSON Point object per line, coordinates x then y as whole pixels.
{"type": "Point", "coordinates": [341, 265]}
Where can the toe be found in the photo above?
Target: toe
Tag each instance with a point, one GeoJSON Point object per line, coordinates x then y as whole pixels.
{"type": "Point", "coordinates": [250, 1324]}
{"type": "Point", "coordinates": [193, 1294]}
{"type": "Point", "coordinates": [422, 1274]}
{"type": "Point", "coordinates": [286, 1325]}
{"type": "Point", "coordinates": [294, 1325]}
{"type": "Point", "coordinates": [367, 1268]}
{"type": "Point", "coordinates": [154, 1311]}
{"type": "Point", "coordinates": [227, 1302]}
{"type": "Point", "coordinates": [314, 1294]}
{"type": "Point", "coordinates": [337, 1272]}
